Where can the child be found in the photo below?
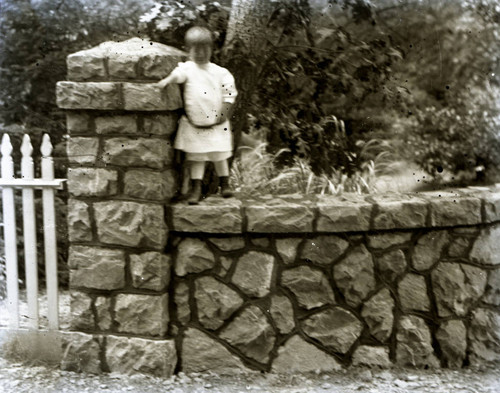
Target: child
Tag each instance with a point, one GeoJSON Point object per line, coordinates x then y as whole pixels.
{"type": "Point", "coordinates": [204, 133]}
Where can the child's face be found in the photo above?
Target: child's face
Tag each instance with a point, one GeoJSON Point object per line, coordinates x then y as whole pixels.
{"type": "Point", "coordinates": [200, 53]}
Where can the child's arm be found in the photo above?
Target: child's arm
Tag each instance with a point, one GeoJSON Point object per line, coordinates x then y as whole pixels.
{"type": "Point", "coordinates": [226, 113]}
{"type": "Point", "coordinates": [172, 78]}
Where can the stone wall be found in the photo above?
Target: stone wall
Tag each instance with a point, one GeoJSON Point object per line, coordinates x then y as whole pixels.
{"type": "Point", "coordinates": [284, 285]}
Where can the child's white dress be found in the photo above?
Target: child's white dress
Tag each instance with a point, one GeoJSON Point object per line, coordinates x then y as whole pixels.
{"type": "Point", "coordinates": [206, 87]}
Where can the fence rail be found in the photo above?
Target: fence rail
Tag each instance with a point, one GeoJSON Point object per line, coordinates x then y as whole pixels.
{"type": "Point", "coordinates": [28, 183]}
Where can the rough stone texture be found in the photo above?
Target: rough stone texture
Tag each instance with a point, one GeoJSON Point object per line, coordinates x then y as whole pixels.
{"type": "Point", "coordinates": [492, 206]}
{"type": "Point", "coordinates": [287, 249]}
{"type": "Point", "coordinates": [97, 268]}
{"type": "Point", "coordinates": [88, 95]}
{"type": "Point", "coordinates": [251, 333]}
{"type": "Point", "coordinates": [486, 249]}
{"type": "Point", "coordinates": [225, 265]}
{"type": "Point", "coordinates": [137, 152]}
{"type": "Point", "coordinates": [253, 273]}
{"type": "Point", "coordinates": [412, 291]}
{"type": "Point", "coordinates": [456, 287]}
{"type": "Point", "coordinates": [82, 150]}
{"type": "Point", "coordinates": [279, 216]}
{"type": "Point", "coordinates": [193, 256]}
{"type": "Point", "coordinates": [219, 217]}
{"type": "Point", "coordinates": [263, 242]}
{"type": "Point", "coordinates": [77, 123]}
{"type": "Point", "coordinates": [414, 343]}
{"type": "Point", "coordinates": [228, 243]}
{"type": "Point", "coordinates": [336, 215]}
{"type": "Point", "coordinates": [391, 264]}
{"type": "Point", "coordinates": [79, 226]}
{"type": "Point", "coordinates": [458, 210]}
{"type": "Point", "coordinates": [297, 355]}
{"type": "Point", "coordinates": [400, 213]}
{"type": "Point", "coordinates": [125, 125]}
{"type": "Point", "coordinates": [215, 302]}
{"type": "Point", "coordinates": [181, 298]}
{"type": "Point", "coordinates": [484, 336]}
{"type": "Point", "coordinates": [386, 240]}
{"type": "Point", "coordinates": [282, 313]}
{"type": "Point", "coordinates": [335, 328]}
{"type": "Point", "coordinates": [324, 249]}
{"type": "Point", "coordinates": [130, 224]}
{"type": "Point", "coordinates": [428, 249]}
{"type": "Point", "coordinates": [452, 338]}
{"type": "Point", "coordinates": [366, 355]}
{"type": "Point", "coordinates": [354, 275]}
{"type": "Point", "coordinates": [103, 312]}
{"type": "Point", "coordinates": [150, 270]}
{"type": "Point", "coordinates": [492, 293]}
{"type": "Point", "coordinates": [127, 355]}
{"type": "Point", "coordinates": [310, 286]}
{"type": "Point", "coordinates": [141, 314]}
{"type": "Point", "coordinates": [85, 65]}
{"type": "Point", "coordinates": [81, 311]}
{"type": "Point", "coordinates": [92, 182]}
{"type": "Point", "coordinates": [121, 65]}
{"type": "Point", "coordinates": [150, 97]}
{"type": "Point", "coordinates": [458, 247]}
{"type": "Point", "coordinates": [81, 352]}
{"type": "Point", "coordinates": [378, 315]}
{"type": "Point", "coordinates": [164, 124]}
{"type": "Point", "coordinates": [153, 186]}
{"type": "Point", "coordinates": [201, 353]}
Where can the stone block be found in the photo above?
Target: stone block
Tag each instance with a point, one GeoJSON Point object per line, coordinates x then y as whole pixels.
{"type": "Point", "coordinates": [202, 353]}
{"type": "Point", "coordinates": [96, 268]}
{"type": "Point", "coordinates": [391, 265]}
{"type": "Point", "coordinates": [138, 152]}
{"type": "Point", "coordinates": [263, 242]}
{"type": "Point", "coordinates": [287, 249]}
{"type": "Point", "coordinates": [279, 216]}
{"type": "Point", "coordinates": [400, 212]}
{"type": "Point", "coordinates": [323, 250]}
{"type": "Point", "coordinates": [452, 211]}
{"type": "Point", "coordinates": [459, 247]}
{"type": "Point", "coordinates": [92, 182]}
{"type": "Point", "coordinates": [253, 273]}
{"type": "Point", "coordinates": [338, 215]}
{"type": "Point", "coordinates": [492, 206]}
{"type": "Point", "coordinates": [150, 270]}
{"type": "Point", "coordinates": [89, 95]}
{"type": "Point", "coordinates": [412, 291]}
{"type": "Point", "coordinates": [414, 343]}
{"type": "Point", "coordinates": [251, 333]}
{"type": "Point", "coordinates": [81, 352]}
{"type": "Point", "coordinates": [282, 313]}
{"type": "Point", "coordinates": [215, 216]}
{"type": "Point", "coordinates": [123, 65]}
{"type": "Point", "coordinates": [193, 256]}
{"type": "Point", "coordinates": [298, 356]}
{"type": "Point", "coordinates": [452, 338]}
{"type": "Point", "coordinates": [386, 240]}
{"type": "Point", "coordinates": [310, 286]}
{"type": "Point", "coordinates": [79, 225]}
{"type": "Point", "coordinates": [141, 314]}
{"type": "Point", "coordinates": [336, 328]}
{"type": "Point", "coordinates": [492, 293]}
{"type": "Point", "coordinates": [181, 299]}
{"type": "Point", "coordinates": [366, 355]}
{"type": "Point", "coordinates": [486, 249]}
{"type": "Point", "coordinates": [82, 317]}
{"type": "Point", "coordinates": [228, 243]}
{"type": "Point", "coordinates": [153, 186]}
{"type": "Point", "coordinates": [225, 265]}
{"type": "Point", "coordinates": [159, 65]}
{"type": "Point", "coordinates": [378, 315]}
{"type": "Point", "coordinates": [428, 250]}
{"type": "Point", "coordinates": [82, 150]}
{"type": "Point", "coordinates": [457, 287]}
{"type": "Point", "coordinates": [150, 97]}
{"type": "Point", "coordinates": [130, 355]}
{"type": "Point", "coordinates": [354, 275]}
{"type": "Point", "coordinates": [160, 124]}
{"type": "Point", "coordinates": [130, 224]}
{"type": "Point", "coordinates": [484, 336]}
{"type": "Point", "coordinates": [85, 65]}
{"type": "Point", "coordinates": [77, 123]}
{"type": "Point", "coordinates": [124, 125]}
{"type": "Point", "coordinates": [103, 312]}
{"type": "Point", "coordinates": [215, 302]}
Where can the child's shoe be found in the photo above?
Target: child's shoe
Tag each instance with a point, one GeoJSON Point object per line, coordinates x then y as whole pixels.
{"type": "Point", "coordinates": [225, 188]}
{"type": "Point", "coordinates": [195, 196]}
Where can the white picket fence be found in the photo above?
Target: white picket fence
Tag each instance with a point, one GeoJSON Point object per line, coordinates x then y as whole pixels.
{"type": "Point", "coordinates": [28, 184]}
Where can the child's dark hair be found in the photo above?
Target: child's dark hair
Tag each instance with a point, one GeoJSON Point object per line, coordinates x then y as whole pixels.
{"type": "Point", "coordinates": [198, 35]}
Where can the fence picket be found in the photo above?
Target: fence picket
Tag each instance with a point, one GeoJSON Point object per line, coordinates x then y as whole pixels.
{"type": "Point", "coordinates": [29, 227]}
{"type": "Point", "coordinates": [9, 222]}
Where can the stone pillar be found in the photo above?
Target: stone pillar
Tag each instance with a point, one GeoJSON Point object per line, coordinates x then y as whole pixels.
{"type": "Point", "coordinates": [120, 176]}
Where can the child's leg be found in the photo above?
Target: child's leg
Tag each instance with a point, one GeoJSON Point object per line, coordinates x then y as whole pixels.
{"type": "Point", "coordinates": [222, 169]}
{"type": "Point", "coordinates": [197, 169]}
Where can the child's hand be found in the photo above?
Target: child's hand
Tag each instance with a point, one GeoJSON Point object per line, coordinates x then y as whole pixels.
{"type": "Point", "coordinates": [162, 84]}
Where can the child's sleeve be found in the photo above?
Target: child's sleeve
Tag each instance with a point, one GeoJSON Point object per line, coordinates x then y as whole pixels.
{"type": "Point", "coordinates": [229, 91]}
{"type": "Point", "coordinates": [179, 73]}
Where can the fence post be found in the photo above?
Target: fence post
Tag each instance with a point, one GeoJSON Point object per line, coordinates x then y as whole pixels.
{"type": "Point", "coordinates": [9, 228]}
